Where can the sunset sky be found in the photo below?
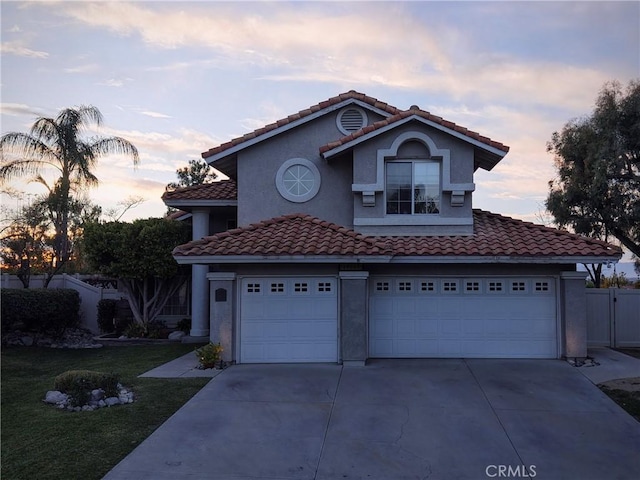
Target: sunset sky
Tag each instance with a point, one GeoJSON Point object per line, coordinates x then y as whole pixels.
{"type": "Point", "coordinates": [178, 78]}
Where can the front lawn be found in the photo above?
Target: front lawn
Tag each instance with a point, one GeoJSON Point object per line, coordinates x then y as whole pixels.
{"type": "Point", "coordinates": [629, 401]}
{"type": "Point", "coordinates": [39, 441]}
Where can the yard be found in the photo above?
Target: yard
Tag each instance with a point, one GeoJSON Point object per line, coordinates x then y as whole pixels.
{"type": "Point", "coordinates": [629, 399]}
{"type": "Point", "coordinates": [39, 441]}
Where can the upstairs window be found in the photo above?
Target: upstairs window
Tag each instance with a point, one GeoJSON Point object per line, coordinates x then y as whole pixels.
{"type": "Point", "coordinates": [413, 187]}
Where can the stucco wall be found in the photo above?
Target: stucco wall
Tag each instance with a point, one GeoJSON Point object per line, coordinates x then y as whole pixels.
{"type": "Point", "coordinates": [365, 171]}
{"type": "Point", "coordinates": [258, 197]}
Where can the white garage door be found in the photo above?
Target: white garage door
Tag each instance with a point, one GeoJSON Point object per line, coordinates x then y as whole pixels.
{"type": "Point", "coordinates": [289, 320]}
{"type": "Point", "coordinates": [462, 317]}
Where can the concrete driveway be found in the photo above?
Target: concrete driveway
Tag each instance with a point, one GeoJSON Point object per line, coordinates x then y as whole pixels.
{"type": "Point", "coordinates": [396, 419]}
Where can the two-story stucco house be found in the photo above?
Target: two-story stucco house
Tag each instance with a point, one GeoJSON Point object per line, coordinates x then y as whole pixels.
{"type": "Point", "coordinates": [346, 232]}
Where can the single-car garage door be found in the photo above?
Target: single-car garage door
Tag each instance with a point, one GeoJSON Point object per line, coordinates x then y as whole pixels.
{"type": "Point", "coordinates": [289, 319]}
{"type": "Point", "coordinates": [463, 317]}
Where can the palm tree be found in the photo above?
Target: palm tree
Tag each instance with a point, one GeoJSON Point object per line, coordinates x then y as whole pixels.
{"type": "Point", "coordinates": [57, 144]}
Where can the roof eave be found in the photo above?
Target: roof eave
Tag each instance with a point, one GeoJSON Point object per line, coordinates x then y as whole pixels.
{"type": "Point", "coordinates": [366, 137]}
{"type": "Point", "coordinates": [211, 159]}
{"type": "Point", "coordinates": [186, 204]}
{"type": "Point", "coordinates": [546, 260]}
{"type": "Point", "coordinates": [208, 259]}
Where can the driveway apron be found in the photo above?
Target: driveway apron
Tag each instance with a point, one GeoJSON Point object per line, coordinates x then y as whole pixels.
{"type": "Point", "coordinates": [393, 419]}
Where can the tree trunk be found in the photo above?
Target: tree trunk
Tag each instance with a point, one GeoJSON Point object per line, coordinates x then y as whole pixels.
{"type": "Point", "coordinates": [595, 273]}
{"type": "Point", "coordinates": [147, 297]}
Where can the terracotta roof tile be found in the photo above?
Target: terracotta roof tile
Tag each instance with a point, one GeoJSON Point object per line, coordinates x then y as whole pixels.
{"type": "Point", "coordinates": [499, 236]}
{"type": "Point", "coordinates": [495, 236]}
{"type": "Point", "coordinates": [294, 234]}
{"type": "Point", "coordinates": [220, 190]}
{"type": "Point", "coordinates": [420, 113]}
{"type": "Point", "coordinates": [352, 94]}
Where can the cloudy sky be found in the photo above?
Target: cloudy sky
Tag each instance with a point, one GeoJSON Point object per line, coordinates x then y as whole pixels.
{"type": "Point", "coordinates": [178, 78]}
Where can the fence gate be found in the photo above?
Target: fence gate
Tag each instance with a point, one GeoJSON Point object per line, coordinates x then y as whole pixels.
{"type": "Point", "coordinates": [613, 317]}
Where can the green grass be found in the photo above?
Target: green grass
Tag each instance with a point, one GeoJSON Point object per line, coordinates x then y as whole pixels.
{"type": "Point", "coordinates": [41, 442]}
{"type": "Point", "coordinates": [630, 401]}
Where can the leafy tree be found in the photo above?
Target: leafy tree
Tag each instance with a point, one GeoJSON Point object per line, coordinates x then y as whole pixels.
{"type": "Point", "coordinates": [197, 173]}
{"type": "Point", "coordinates": [57, 143]}
{"type": "Point", "coordinates": [23, 242]}
{"type": "Point", "coordinates": [138, 254]}
{"type": "Point", "coordinates": [27, 243]}
{"type": "Point", "coordinates": [597, 188]}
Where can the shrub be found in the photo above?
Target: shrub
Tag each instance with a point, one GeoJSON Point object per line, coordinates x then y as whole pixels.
{"type": "Point", "coordinates": [134, 330]}
{"type": "Point", "coordinates": [39, 309]}
{"type": "Point", "coordinates": [107, 315]}
{"type": "Point", "coordinates": [184, 325]}
{"type": "Point", "coordinates": [157, 329]}
{"type": "Point", "coordinates": [209, 355]}
{"type": "Point", "coordinates": [79, 384]}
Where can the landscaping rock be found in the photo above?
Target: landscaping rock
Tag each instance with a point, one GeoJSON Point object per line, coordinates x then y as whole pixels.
{"type": "Point", "coordinates": [63, 401]}
{"type": "Point", "coordinates": [177, 335]}
{"type": "Point", "coordinates": [97, 394]}
{"type": "Point", "coordinates": [56, 397]}
{"type": "Point", "coordinates": [71, 338]}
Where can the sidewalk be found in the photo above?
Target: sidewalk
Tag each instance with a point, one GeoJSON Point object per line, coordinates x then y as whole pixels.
{"type": "Point", "coordinates": [185, 366]}
{"type": "Point", "coordinates": [612, 365]}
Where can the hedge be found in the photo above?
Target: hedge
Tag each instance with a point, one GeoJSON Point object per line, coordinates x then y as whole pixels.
{"type": "Point", "coordinates": [40, 309]}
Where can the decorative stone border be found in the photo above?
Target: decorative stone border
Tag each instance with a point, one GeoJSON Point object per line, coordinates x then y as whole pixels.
{"type": "Point", "coordinates": [62, 401]}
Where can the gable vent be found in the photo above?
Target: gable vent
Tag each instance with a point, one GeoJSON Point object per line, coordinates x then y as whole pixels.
{"type": "Point", "coordinates": [351, 120]}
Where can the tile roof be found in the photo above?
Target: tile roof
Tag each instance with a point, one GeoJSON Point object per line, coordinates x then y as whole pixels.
{"type": "Point", "coordinates": [351, 94]}
{"type": "Point", "coordinates": [495, 236]}
{"type": "Point", "coordinates": [414, 110]}
{"type": "Point", "coordinates": [395, 115]}
{"type": "Point", "coordinates": [499, 236]}
{"type": "Point", "coordinates": [294, 234]}
{"type": "Point", "coordinates": [220, 190]}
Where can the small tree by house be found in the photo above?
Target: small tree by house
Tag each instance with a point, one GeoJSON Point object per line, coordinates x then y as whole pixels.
{"type": "Point", "coordinates": [138, 254]}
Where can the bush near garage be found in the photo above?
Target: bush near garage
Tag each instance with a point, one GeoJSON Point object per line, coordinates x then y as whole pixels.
{"type": "Point", "coordinates": [40, 310]}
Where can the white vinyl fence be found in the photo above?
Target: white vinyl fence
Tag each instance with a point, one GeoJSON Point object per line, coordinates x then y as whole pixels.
{"type": "Point", "coordinates": [613, 317]}
{"type": "Point", "coordinates": [89, 295]}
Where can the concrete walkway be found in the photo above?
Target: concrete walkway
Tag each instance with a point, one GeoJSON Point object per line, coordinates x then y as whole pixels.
{"type": "Point", "coordinates": [395, 419]}
{"type": "Point", "coordinates": [612, 365]}
{"type": "Point", "coordinates": [185, 366]}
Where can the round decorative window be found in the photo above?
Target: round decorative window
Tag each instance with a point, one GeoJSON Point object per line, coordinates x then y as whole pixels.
{"type": "Point", "coordinates": [298, 180]}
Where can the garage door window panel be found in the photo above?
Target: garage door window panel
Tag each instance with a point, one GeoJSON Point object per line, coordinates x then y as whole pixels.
{"type": "Point", "coordinates": [450, 286]}
{"type": "Point", "coordinates": [428, 286]}
{"type": "Point", "coordinates": [472, 286]}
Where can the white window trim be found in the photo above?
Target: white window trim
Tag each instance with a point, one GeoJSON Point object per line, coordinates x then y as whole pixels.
{"type": "Point", "coordinates": [444, 155]}
{"type": "Point", "coordinates": [413, 162]}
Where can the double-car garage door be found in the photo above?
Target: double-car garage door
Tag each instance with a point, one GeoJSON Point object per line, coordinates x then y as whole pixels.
{"type": "Point", "coordinates": [295, 319]}
{"type": "Point", "coordinates": [462, 317]}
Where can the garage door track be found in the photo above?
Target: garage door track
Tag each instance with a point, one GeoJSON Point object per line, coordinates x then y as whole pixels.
{"type": "Point", "coordinates": [394, 419]}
